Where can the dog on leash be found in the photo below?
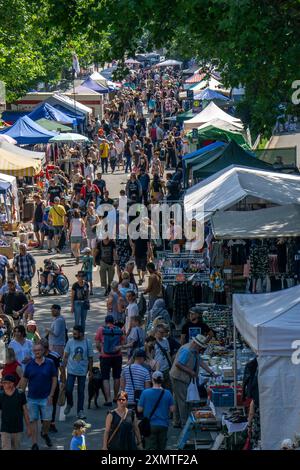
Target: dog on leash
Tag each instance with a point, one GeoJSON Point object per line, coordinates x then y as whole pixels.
{"type": "Point", "coordinates": [94, 386]}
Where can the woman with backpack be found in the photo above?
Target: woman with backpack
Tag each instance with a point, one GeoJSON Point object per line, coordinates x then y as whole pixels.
{"type": "Point", "coordinates": [121, 428]}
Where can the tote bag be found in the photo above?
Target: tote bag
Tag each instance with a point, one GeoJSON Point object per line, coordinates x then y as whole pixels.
{"type": "Point", "coordinates": [192, 392]}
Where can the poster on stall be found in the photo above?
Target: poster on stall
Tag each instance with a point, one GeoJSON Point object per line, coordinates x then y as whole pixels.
{"type": "Point", "coordinates": [193, 332]}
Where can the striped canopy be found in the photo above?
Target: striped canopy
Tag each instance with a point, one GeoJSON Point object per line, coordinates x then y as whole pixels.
{"type": "Point", "coordinates": [15, 165]}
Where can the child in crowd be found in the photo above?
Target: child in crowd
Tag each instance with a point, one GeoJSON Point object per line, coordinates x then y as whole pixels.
{"type": "Point", "coordinates": [32, 332]}
{"type": "Point", "coordinates": [78, 439]}
{"type": "Point", "coordinates": [87, 267]}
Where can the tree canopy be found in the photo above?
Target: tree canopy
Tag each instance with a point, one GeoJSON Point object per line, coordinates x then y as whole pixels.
{"type": "Point", "coordinates": [255, 43]}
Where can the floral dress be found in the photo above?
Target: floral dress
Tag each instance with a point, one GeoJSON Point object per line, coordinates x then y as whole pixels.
{"type": "Point", "coordinates": [124, 252]}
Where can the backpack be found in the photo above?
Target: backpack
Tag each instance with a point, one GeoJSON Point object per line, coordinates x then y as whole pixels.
{"type": "Point", "coordinates": [112, 339]}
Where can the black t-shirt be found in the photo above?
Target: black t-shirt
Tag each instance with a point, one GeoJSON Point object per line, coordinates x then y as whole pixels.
{"type": "Point", "coordinates": [12, 411]}
{"type": "Point", "coordinates": [13, 302]}
{"type": "Point", "coordinates": [106, 252]}
{"type": "Point", "coordinates": [81, 292]}
{"type": "Point", "coordinates": [141, 247]}
{"type": "Point", "coordinates": [101, 185]}
{"type": "Point", "coordinates": [189, 329]}
{"type": "Point", "coordinates": [77, 187]}
{"type": "Point", "coordinates": [54, 191]}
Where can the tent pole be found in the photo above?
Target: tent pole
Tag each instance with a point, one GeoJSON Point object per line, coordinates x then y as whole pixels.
{"type": "Point", "coordinates": [235, 366]}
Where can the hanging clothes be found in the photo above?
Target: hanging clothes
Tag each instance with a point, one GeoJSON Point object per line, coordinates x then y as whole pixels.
{"type": "Point", "coordinates": [182, 302]}
{"type": "Point", "coordinates": [217, 255]}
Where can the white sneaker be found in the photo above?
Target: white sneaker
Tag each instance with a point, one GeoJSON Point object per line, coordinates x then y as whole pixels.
{"type": "Point", "coordinates": [47, 289]}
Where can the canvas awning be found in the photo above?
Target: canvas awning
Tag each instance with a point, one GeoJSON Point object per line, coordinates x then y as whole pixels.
{"type": "Point", "coordinates": [229, 186]}
{"type": "Point", "coordinates": [274, 222]}
{"type": "Point", "coordinates": [21, 152]}
{"type": "Point", "coordinates": [53, 125]}
{"type": "Point", "coordinates": [212, 111]}
{"type": "Point", "coordinates": [18, 166]}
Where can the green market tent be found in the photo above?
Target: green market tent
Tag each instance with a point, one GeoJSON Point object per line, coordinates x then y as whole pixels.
{"type": "Point", "coordinates": [53, 125]}
{"type": "Point", "coordinates": [212, 132]}
{"type": "Point", "coordinates": [184, 116]}
{"type": "Point", "coordinates": [223, 157]}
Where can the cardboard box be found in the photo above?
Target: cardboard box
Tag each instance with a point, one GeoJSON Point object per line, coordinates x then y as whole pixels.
{"type": "Point", "coordinates": [11, 226]}
{"type": "Point", "coordinates": [7, 251]}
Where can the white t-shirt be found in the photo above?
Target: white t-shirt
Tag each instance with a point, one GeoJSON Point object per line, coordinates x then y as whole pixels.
{"type": "Point", "coordinates": [131, 311]}
{"type": "Point", "coordinates": [119, 146]}
{"type": "Point", "coordinates": [89, 171]}
{"type": "Point", "coordinates": [22, 350]}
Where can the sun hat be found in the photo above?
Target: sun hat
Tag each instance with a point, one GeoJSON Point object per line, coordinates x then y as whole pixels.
{"type": "Point", "coordinates": [201, 341]}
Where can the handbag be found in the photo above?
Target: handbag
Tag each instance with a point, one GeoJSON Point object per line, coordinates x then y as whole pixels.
{"type": "Point", "coordinates": [62, 395]}
{"type": "Point", "coordinates": [136, 393]}
{"type": "Point", "coordinates": [144, 424]}
{"type": "Point", "coordinates": [192, 392]}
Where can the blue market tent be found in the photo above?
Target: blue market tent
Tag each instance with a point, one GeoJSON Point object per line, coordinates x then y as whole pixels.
{"type": "Point", "coordinates": [207, 148]}
{"type": "Point", "coordinates": [92, 85]}
{"type": "Point", "coordinates": [27, 132]}
{"type": "Point", "coordinates": [74, 115]}
{"type": "Point", "coordinates": [209, 95]}
{"type": "Point", "coordinates": [12, 116]}
{"type": "Point", "coordinates": [47, 111]}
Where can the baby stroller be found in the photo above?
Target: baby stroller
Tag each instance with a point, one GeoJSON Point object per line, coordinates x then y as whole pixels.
{"type": "Point", "coordinates": [60, 283]}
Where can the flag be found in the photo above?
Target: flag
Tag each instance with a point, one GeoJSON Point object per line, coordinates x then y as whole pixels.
{"type": "Point", "coordinates": [76, 66]}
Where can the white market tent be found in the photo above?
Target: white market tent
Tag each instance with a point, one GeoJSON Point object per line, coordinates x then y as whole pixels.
{"type": "Point", "coordinates": [211, 83]}
{"type": "Point", "coordinates": [168, 63]}
{"type": "Point", "coordinates": [212, 111]}
{"type": "Point", "coordinates": [270, 324]}
{"type": "Point", "coordinates": [8, 183]}
{"type": "Point", "coordinates": [229, 186]}
{"type": "Point", "coordinates": [97, 77]}
{"type": "Point", "coordinates": [224, 125]}
{"type": "Point", "coordinates": [273, 222]}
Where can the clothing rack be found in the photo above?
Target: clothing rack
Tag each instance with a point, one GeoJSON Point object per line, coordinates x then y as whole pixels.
{"type": "Point", "coordinates": [196, 277]}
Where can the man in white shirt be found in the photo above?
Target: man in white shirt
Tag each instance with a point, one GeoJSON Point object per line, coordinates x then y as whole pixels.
{"type": "Point", "coordinates": [132, 310]}
{"type": "Point", "coordinates": [89, 170]}
{"type": "Point", "coordinates": [119, 145]}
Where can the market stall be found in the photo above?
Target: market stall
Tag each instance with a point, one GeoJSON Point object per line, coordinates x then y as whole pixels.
{"type": "Point", "coordinates": [17, 165]}
{"type": "Point", "coordinates": [270, 324]}
{"type": "Point", "coordinates": [27, 132]}
{"type": "Point", "coordinates": [212, 111]}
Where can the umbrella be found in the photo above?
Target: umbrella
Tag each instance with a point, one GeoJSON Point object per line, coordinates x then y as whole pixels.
{"type": "Point", "coordinates": [7, 138]}
{"type": "Point", "coordinates": [131, 61]}
{"type": "Point", "coordinates": [69, 137]}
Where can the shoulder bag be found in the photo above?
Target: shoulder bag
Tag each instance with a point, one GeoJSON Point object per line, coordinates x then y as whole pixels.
{"type": "Point", "coordinates": [164, 353]}
{"type": "Point", "coordinates": [144, 424]}
{"type": "Point", "coordinates": [137, 393]}
{"type": "Point", "coordinates": [117, 428]}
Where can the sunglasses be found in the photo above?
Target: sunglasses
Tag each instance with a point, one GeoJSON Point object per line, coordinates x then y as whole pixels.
{"type": "Point", "coordinates": [122, 399]}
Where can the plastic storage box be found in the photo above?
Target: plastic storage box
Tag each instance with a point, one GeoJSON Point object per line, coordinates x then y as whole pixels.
{"type": "Point", "coordinates": [223, 397]}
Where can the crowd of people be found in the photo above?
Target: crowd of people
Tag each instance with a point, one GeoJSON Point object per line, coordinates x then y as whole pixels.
{"type": "Point", "coordinates": [144, 368]}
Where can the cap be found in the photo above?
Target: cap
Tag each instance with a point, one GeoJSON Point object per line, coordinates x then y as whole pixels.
{"type": "Point", "coordinates": [87, 250]}
{"type": "Point", "coordinates": [31, 323]}
{"type": "Point", "coordinates": [9, 378]}
{"type": "Point", "coordinates": [81, 424]}
{"type": "Point", "coordinates": [157, 375]}
{"type": "Point", "coordinates": [198, 310]}
{"type": "Point", "coordinates": [287, 444]}
{"type": "Point", "coordinates": [56, 199]}
{"type": "Point", "coordinates": [109, 319]}
{"type": "Point", "coordinates": [201, 341]}
{"type": "Point", "coordinates": [140, 353]}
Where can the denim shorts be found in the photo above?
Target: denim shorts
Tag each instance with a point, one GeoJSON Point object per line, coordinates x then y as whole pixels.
{"type": "Point", "coordinates": [88, 276]}
{"type": "Point", "coordinates": [39, 409]}
{"type": "Point", "coordinates": [57, 229]}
